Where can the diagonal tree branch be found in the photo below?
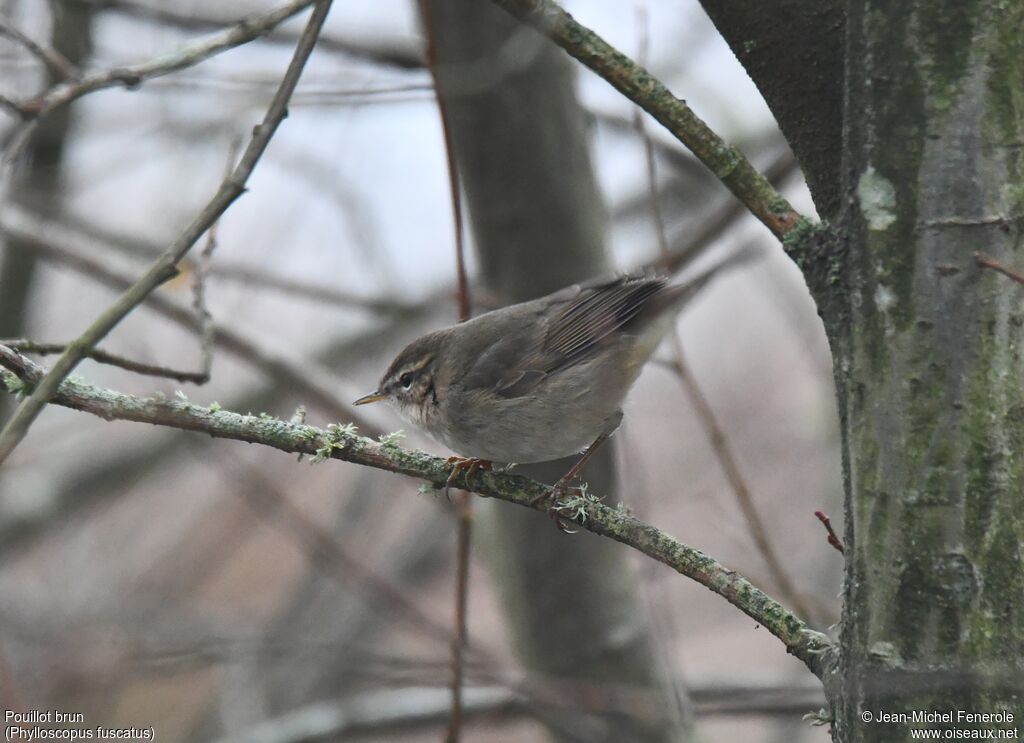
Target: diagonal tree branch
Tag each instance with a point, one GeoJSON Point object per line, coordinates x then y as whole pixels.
{"type": "Point", "coordinates": [163, 268]}
{"type": "Point", "coordinates": [638, 85]}
{"type": "Point", "coordinates": [341, 442]}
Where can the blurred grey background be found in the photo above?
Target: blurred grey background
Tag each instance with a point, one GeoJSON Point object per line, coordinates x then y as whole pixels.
{"type": "Point", "coordinates": [202, 587]}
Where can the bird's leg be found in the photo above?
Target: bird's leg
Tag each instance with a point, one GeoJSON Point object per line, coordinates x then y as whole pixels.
{"type": "Point", "coordinates": [561, 487]}
{"type": "Point", "coordinates": [470, 464]}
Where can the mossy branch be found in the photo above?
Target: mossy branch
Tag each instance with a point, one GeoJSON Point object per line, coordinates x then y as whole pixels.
{"type": "Point", "coordinates": [638, 85]}
{"type": "Point", "coordinates": [20, 375]}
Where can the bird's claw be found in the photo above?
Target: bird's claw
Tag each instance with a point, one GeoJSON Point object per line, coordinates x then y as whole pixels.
{"type": "Point", "coordinates": [472, 465]}
{"type": "Point", "coordinates": [558, 491]}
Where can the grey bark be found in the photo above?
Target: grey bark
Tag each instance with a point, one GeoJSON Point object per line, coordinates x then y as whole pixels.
{"type": "Point", "coordinates": [928, 365]}
{"type": "Point", "coordinates": [538, 223]}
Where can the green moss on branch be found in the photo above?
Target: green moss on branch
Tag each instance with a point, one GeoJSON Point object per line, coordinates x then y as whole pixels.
{"type": "Point", "coordinates": [344, 443]}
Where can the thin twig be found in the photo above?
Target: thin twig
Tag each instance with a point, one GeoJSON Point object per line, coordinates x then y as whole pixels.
{"type": "Point", "coordinates": [401, 56]}
{"type": "Point", "coordinates": [39, 227]}
{"type": "Point", "coordinates": [305, 379]}
{"type": "Point", "coordinates": [165, 266]}
{"type": "Point", "coordinates": [730, 165]}
{"type": "Point", "coordinates": [464, 535]}
{"type": "Point", "coordinates": [737, 483]}
{"type": "Point", "coordinates": [325, 294]}
{"type": "Point", "coordinates": [339, 442]}
{"type": "Point", "coordinates": [188, 55]}
{"type": "Point", "coordinates": [709, 421]}
{"type": "Point", "coordinates": [59, 67]}
{"type": "Point", "coordinates": [680, 695]}
{"type": "Point", "coordinates": [150, 370]}
{"type": "Point", "coordinates": [694, 242]}
{"type": "Point", "coordinates": [324, 550]}
{"type": "Point", "coordinates": [833, 538]}
{"type": "Point", "coordinates": [204, 321]}
{"type": "Point", "coordinates": [202, 270]}
{"type": "Point", "coordinates": [453, 172]}
{"type": "Point", "coordinates": [986, 261]}
{"type": "Point", "coordinates": [460, 642]}
{"type": "Point", "coordinates": [15, 108]}
{"type": "Point", "coordinates": [132, 76]}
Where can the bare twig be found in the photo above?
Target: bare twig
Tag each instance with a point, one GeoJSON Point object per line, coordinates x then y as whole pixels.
{"type": "Point", "coordinates": [709, 421]}
{"type": "Point", "coordinates": [465, 506]}
{"type": "Point", "coordinates": [18, 109]}
{"type": "Point", "coordinates": [330, 295]}
{"type": "Point", "coordinates": [833, 538]}
{"type": "Point", "coordinates": [36, 229]}
{"type": "Point", "coordinates": [986, 261]}
{"type": "Point", "coordinates": [202, 270]}
{"type": "Point", "coordinates": [340, 442]}
{"type": "Point", "coordinates": [203, 318]}
{"type": "Point", "coordinates": [638, 85]}
{"type": "Point", "coordinates": [306, 378]}
{"type": "Point", "coordinates": [231, 188]}
{"type": "Point", "coordinates": [309, 94]}
{"type": "Point", "coordinates": [132, 76]}
{"type": "Point", "coordinates": [59, 67]}
{"type": "Point", "coordinates": [682, 707]}
{"type": "Point", "coordinates": [324, 550]}
{"type": "Point", "coordinates": [188, 55]}
{"type": "Point", "coordinates": [150, 370]}
{"type": "Point", "coordinates": [460, 641]}
{"type": "Point", "coordinates": [738, 484]}
{"type": "Point", "coordinates": [399, 54]}
{"type": "Point", "coordinates": [695, 242]}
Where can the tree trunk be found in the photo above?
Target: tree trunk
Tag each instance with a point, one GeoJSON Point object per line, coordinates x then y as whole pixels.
{"type": "Point", "coordinates": [538, 221]}
{"type": "Point", "coordinates": [928, 366]}
{"type": "Point", "coordinates": [793, 51]}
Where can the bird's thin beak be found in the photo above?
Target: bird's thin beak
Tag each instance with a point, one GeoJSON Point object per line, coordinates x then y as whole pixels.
{"type": "Point", "coordinates": [372, 397]}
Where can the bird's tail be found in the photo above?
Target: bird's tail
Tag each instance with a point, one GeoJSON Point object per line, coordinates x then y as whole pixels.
{"type": "Point", "coordinates": [678, 295]}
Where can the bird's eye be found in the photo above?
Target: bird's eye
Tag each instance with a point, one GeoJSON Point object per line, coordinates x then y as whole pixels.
{"type": "Point", "coordinates": [406, 380]}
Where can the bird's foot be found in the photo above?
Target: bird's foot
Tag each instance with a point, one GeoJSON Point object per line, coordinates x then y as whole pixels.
{"type": "Point", "coordinates": [553, 497]}
{"type": "Point", "coordinates": [471, 464]}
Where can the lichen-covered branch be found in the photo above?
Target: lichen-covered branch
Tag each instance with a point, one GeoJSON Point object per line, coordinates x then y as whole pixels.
{"type": "Point", "coordinates": [639, 86]}
{"type": "Point", "coordinates": [20, 375]}
{"type": "Point", "coordinates": [164, 267]}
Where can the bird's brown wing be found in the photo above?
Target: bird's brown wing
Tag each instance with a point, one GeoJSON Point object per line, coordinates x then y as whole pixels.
{"type": "Point", "coordinates": [586, 319]}
{"type": "Point", "coordinates": [596, 313]}
{"type": "Point", "coordinates": [567, 327]}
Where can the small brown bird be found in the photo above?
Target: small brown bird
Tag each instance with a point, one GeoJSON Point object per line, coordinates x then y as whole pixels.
{"type": "Point", "coordinates": [539, 380]}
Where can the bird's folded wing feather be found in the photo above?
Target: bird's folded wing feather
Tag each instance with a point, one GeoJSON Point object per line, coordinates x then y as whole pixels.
{"type": "Point", "coordinates": [515, 364]}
